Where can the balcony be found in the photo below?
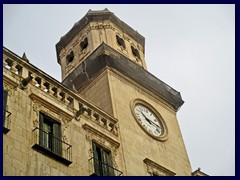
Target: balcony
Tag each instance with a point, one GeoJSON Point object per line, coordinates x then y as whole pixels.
{"type": "Point", "coordinates": [6, 121]}
{"type": "Point", "coordinates": [52, 146]}
{"type": "Point", "coordinates": [99, 168]}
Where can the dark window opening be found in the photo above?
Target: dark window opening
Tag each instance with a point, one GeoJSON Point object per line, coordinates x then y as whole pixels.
{"type": "Point", "coordinates": [70, 57]}
{"type": "Point", "coordinates": [50, 134]}
{"type": "Point", "coordinates": [84, 44]}
{"type": "Point", "coordinates": [135, 52]}
{"type": "Point", "coordinates": [120, 42]}
{"type": "Point", "coordinates": [102, 161]}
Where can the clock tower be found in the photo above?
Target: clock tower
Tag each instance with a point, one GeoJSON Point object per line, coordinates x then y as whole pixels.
{"type": "Point", "coordinates": [103, 60]}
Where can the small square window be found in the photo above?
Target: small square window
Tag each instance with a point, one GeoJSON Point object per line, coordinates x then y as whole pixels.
{"type": "Point", "coordinates": [135, 52]}
{"type": "Point", "coordinates": [120, 42]}
{"type": "Point", "coordinates": [83, 44]}
{"type": "Point", "coordinates": [70, 57]}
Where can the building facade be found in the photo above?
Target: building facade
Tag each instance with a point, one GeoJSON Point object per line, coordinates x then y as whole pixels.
{"type": "Point", "coordinates": [108, 117]}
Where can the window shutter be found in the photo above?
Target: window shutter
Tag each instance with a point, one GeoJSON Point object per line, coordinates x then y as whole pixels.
{"type": "Point", "coordinates": [107, 163]}
{"type": "Point", "coordinates": [104, 160]}
{"type": "Point", "coordinates": [41, 133]}
{"type": "Point", "coordinates": [5, 96]}
{"type": "Point", "coordinates": [96, 160]}
{"type": "Point", "coordinates": [57, 144]}
{"type": "Point", "coordinates": [110, 169]}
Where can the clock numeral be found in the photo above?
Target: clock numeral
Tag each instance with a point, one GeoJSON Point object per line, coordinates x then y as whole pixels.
{"type": "Point", "coordinates": [136, 109]}
{"type": "Point", "coordinates": [138, 115]}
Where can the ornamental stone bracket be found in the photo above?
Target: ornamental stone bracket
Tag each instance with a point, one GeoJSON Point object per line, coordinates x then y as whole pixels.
{"type": "Point", "coordinates": [155, 169]}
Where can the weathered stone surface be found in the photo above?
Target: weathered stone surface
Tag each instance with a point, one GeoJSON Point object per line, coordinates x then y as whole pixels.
{"type": "Point", "coordinates": [104, 56]}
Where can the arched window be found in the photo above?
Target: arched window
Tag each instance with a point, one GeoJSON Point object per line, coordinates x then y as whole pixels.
{"type": "Point", "coordinates": [120, 42]}
{"type": "Point", "coordinates": [84, 44]}
{"type": "Point", "coordinates": [135, 52]}
{"type": "Point", "coordinates": [70, 57]}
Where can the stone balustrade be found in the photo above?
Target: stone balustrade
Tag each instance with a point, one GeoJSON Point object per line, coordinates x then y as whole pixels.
{"type": "Point", "coordinates": [43, 82]}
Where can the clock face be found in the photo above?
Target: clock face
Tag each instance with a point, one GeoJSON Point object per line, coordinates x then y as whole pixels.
{"type": "Point", "coordinates": [148, 120]}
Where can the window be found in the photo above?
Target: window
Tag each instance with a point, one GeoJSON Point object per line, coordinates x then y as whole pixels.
{"type": "Point", "coordinates": [102, 161]}
{"type": "Point", "coordinates": [6, 113]}
{"type": "Point", "coordinates": [120, 42]}
{"type": "Point", "coordinates": [48, 141]}
{"type": "Point", "coordinates": [135, 52]}
{"type": "Point", "coordinates": [50, 134]}
{"type": "Point", "coordinates": [83, 44]}
{"type": "Point", "coordinates": [70, 57]}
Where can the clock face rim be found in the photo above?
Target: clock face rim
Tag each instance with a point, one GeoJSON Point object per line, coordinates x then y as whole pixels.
{"type": "Point", "coordinates": [164, 135]}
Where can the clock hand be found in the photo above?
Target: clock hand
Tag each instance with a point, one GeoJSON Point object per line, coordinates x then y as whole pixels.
{"type": "Point", "coordinates": [150, 122]}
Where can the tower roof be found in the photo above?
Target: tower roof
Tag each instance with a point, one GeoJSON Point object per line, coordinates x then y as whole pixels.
{"type": "Point", "coordinates": [96, 16]}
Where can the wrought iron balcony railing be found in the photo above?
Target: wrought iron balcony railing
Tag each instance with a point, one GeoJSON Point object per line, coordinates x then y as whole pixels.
{"type": "Point", "coordinates": [52, 146]}
{"type": "Point", "coordinates": [99, 168]}
{"type": "Point", "coordinates": [6, 121]}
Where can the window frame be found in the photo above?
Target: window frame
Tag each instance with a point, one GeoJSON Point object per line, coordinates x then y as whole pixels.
{"type": "Point", "coordinates": [53, 136]}
{"type": "Point", "coordinates": [48, 141]}
{"type": "Point", "coordinates": [102, 160]}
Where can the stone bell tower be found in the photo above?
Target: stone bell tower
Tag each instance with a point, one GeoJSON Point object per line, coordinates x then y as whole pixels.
{"type": "Point", "coordinates": [95, 28]}
{"type": "Point", "coordinates": [98, 32]}
{"type": "Point", "coordinates": [102, 60]}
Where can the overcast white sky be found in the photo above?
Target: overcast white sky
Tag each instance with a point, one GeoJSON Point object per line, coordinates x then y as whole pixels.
{"type": "Point", "coordinates": [189, 47]}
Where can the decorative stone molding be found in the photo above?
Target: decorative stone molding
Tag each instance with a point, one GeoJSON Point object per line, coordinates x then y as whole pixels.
{"type": "Point", "coordinates": [155, 169]}
{"type": "Point", "coordinates": [9, 83]}
{"type": "Point", "coordinates": [99, 136]}
{"type": "Point", "coordinates": [51, 107]}
{"type": "Point", "coordinates": [103, 140]}
{"type": "Point", "coordinates": [37, 107]}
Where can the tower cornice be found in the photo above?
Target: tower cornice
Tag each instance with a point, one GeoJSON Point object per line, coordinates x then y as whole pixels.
{"type": "Point", "coordinates": [97, 16]}
{"type": "Point", "coordinates": [105, 56]}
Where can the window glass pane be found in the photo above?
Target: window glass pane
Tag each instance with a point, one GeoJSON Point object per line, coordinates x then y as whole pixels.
{"type": "Point", "coordinates": [57, 139]}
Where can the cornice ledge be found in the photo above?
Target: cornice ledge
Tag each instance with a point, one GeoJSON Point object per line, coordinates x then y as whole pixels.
{"type": "Point", "coordinates": [98, 133]}
{"type": "Point", "coordinates": [51, 106]}
{"type": "Point", "coordinates": [10, 81]}
{"type": "Point", "coordinates": [152, 164]}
